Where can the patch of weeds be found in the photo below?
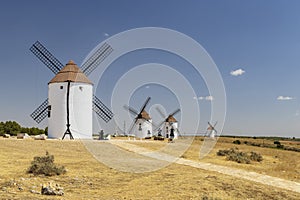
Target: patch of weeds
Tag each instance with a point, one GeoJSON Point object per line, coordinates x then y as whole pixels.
{"type": "Point", "coordinates": [239, 156]}
{"type": "Point", "coordinates": [44, 165]}
{"type": "Point", "coordinates": [256, 156]}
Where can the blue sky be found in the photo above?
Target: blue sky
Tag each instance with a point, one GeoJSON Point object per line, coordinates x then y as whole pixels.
{"type": "Point", "coordinates": [259, 37]}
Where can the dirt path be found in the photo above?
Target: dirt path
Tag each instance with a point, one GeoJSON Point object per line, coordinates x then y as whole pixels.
{"type": "Point", "coordinates": [252, 176]}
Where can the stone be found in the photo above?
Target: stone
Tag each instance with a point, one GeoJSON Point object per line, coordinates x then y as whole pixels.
{"type": "Point", "coordinates": [52, 189]}
{"type": "Point", "coordinates": [40, 137]}
{"type": "Point", "coordinates": [34, 192]}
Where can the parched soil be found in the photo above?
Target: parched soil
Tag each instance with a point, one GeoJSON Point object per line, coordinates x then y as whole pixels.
{"type": "Point", "coordinates": [88, 178]}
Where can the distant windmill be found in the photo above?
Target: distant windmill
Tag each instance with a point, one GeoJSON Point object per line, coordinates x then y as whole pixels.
{"type": "Point", "coordinates": [169, 124]}
{"type": "Point", "coordinates": [211, 131]}
{"type": "Point", "coordinates": [141, 126]}
{"type": "Point", "coordinates": [70, 96]}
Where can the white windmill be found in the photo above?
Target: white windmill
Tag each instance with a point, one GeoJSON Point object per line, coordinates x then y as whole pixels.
{"type": "Point", "coordinates": [169, 124]}
{"type": "Point", "coordinates": [70, 96]}
{"type": "Point", "coordinates": [142, 124]}
{"type": "Point", "coordinates": [211, 131]}
{"type": "Point", "coordinates": [70, 89]}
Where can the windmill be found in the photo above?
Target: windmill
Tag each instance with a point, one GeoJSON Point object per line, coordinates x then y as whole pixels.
{"type": "Point", "coordinates": [169, 124]}
{"type": "Point", "coordinates": [211, 131]}
{"type": "Point", "coordinates": [141, 126]}
{"type": "Point", "coordinates": [70, 95]}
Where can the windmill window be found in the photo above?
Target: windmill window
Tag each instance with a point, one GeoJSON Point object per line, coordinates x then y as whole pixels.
{"type": "Point", "coordinates": [61, 87]}
{"type": "Point", "coordinates": [80, 88]}
{"type": "Point", "coordinates": [49, 111]}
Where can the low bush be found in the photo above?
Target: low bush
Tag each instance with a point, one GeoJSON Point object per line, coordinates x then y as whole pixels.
{"type": "Point", "coordinates": [239, 156]}
{"type": "Point", "coordinates": [44, 165]}
{"type": "Point", "coordinates": [225, 152]}
{"type": "Point", "coordinates": [277, 142]}
{"type": "Point", "coordinates": [236, 142]}
{"type": "Point", "coordinates": [255, 156]}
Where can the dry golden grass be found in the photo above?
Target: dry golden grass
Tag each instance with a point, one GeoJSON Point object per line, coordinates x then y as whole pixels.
{"type": "Point", "coordinates": [279, 163]}
{"type": "Point", "coordinates": [88, 179]}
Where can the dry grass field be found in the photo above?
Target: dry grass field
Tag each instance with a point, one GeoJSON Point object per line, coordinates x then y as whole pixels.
{"type": "Point", "coordinates": [86, 178]}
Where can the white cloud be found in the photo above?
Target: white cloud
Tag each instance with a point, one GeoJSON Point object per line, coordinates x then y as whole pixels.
{"type": "Point", "coordinates": [106, 34]}
{"type": "Point", "coordinates": [147, 87]}
{"type": "Point", "coordinates": [209, 98]}
{"type": "Point", "coordinates": [237, 72]}
{"type": "Point", "coordinates": [282, 98]}
{"type": "Point", "coordinates": [206, 98]}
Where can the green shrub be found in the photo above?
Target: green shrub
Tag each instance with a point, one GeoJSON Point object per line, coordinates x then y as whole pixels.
{"type": "Point", "coordinates": [45, 165]}
{"type": "Point", "coordinates": [280, 146]}
{"type": "Point", "coordinates": [277, 142]}
{"type": "Point", "coordinates": [236, 142]}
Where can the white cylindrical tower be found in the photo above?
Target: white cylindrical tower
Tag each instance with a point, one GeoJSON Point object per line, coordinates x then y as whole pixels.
{"type": "Point", "coordinates": [170, 128]}
{"type": "Point", "coordinates": [143, 126]}
{"type": "Point", "coordinates": [80, 103]}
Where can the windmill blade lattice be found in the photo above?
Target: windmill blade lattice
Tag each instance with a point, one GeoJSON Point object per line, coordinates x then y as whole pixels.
{"type": "Point", "coordinates": [98, 57]}
{"type": "Point", "coordinates": [175, 112]}
{"type": "Point", "coordinates": [46, 57]}
{"type": "Point", "coordinates": [165, 118]}
{"type": "Point", "coordinates": [159, 125]}
{"type": "Point", "coordinates": [132, 110]}
{"type": "Point", "coordinates": [102, 110]}
{"type": "Point", "coordinates": [55, 66]}
{"type": "Point", "coordinates": [160, 112]}
{"type": "Point", "coordinates": [136, 113]}
{"type": "Point", "coordinates": [132, 125]}
{"type": "Point", "coordinates": [41, 112]}
{"type": "Point", "coordinates": [145, 104]}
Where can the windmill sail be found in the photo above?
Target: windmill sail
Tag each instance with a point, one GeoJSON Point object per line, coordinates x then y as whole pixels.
{"type": "Point", "coordinates": [101, 109]}
{"type": "Point", "coordinates": [55, 66]}
{"type": "Point", "coordinates": [98, 57]}
{"type": "Point", "coordinates": [41, 112]}
{"type": "Point", "coordinates": [142, 114]}
{"type": "Point", "coordinates": [46, 57]}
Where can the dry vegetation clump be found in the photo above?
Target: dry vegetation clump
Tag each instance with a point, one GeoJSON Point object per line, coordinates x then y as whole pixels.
{"type": "Point", "coordinates": [276, 144]}
{"type": "Point", "coordinates": [255, 156]}
{"type": "Point", "coordinates": [239, 156]}
{"type": "Point", "coordinates": [44, 165]}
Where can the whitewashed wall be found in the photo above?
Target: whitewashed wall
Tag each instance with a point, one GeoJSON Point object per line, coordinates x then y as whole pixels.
{"type": "Point", "coordinates": [81, 95]}
{"type": "Point", "coordinates": [167, 129]}
{"type": "Point", "coordinates": [145, 125]}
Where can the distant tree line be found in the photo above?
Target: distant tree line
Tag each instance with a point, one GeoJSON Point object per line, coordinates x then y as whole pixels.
{"type": "Point", "coordinates": [13, 128]}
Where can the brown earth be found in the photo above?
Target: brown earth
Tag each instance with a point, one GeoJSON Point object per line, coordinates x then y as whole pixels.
{"type": "Point", "coordinates": [87, 178]}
